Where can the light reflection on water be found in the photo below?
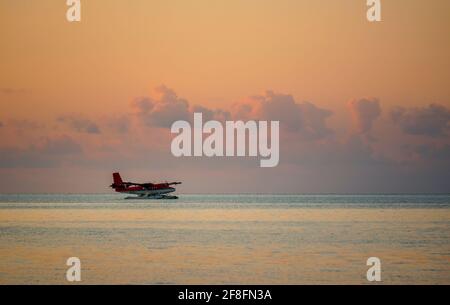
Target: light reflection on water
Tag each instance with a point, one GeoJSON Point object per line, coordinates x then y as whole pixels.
{"type": "Point", "coordinates": [225, 201]}
{"type": "Point", "coordinates": [245, 239]}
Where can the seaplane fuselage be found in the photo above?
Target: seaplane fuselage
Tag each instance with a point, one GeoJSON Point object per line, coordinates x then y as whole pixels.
{"type": "Point", "coordinates": [146, 190]}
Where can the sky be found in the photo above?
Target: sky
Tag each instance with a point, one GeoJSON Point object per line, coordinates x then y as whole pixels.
{"type": "Point", "coordinates": [363, 107]}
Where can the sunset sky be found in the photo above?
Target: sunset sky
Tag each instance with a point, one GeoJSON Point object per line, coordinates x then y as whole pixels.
{"type": "Point", "coordinates": [363, 107]}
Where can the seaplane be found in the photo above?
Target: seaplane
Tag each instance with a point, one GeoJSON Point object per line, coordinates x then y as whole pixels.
{"type": "Point", "coordinates": [146, 190]}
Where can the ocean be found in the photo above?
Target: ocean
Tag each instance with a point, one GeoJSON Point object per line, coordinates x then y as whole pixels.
{"type": "Point", "coordinates": [225, 239]}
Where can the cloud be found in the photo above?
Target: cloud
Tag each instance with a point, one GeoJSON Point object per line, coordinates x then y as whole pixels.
{"type": "Point", "coordinates": [161, 109]}
{"type": "Point", "coordinates": [119, 123]}
{"type": "Point", "coordinates": [139, 141]}
{"type": "Point", "coordinates": [314, 120]}
{"type": "Point", "coordinates": [20, 158]}
{"type": "Point", "coordinates": [1, 124]}
{"type": "Point", "coordinates": [304, 118]}
{"type": "Point", "coordinates": [432, 121]}
{"type": "Point", "coordinates": [24, 124]}
{"type": "Point", "coordinates": [49, 152]}
{"type": "Point", "coordinates": [79, 123]}
{"type": "Point", "coordinates": [209, 114]}
{"type": "Point", "coordinates": [164, 107]}
{"type": "Point", "coordinates": [63, 145]}
{"type": "Point", "coordinates": [430, 152]}
{"type": "Point", "coordinates": [364, 112]}
{"type": "Point", "coordinates": [12, 91]}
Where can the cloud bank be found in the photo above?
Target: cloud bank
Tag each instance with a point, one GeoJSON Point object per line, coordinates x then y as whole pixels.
{"type": "Point", "coordinates": [314, 155]}
{"type": "Point", "coordinates": [364, 112]}
{"type": "Point", "coordinates": [305, 118]}
{"type": "Point", "coordinates": [79, 123]}
{"type": "Point", "coordinates": [432, 120]}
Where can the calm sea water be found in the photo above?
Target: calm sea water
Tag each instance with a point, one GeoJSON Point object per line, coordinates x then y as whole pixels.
{"type": "Point", "coordinates": [111, 201]}
{"type": "Point", "coordinates": [216, 239]}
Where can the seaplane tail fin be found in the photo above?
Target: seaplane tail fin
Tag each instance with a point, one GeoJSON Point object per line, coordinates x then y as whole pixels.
{"type": "Point", "coordinates": [117, 179]}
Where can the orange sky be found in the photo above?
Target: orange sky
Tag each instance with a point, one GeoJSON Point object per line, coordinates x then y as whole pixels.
{"type": "Point", "coordinates": [217, 53]}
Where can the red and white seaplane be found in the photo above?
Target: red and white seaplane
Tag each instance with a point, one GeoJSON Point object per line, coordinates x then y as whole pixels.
{"type": "Point", "coordinates": [144, 190]}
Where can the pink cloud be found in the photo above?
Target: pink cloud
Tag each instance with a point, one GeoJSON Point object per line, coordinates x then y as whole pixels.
{"type": "Point", "coordinates": [161, 109]}
{"type": "Point", "coordinates": [313, 156]}
{"type": "Point", "coordinates": [304, 118]}
{"type": "Point", "coordinates": [364, 112]}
